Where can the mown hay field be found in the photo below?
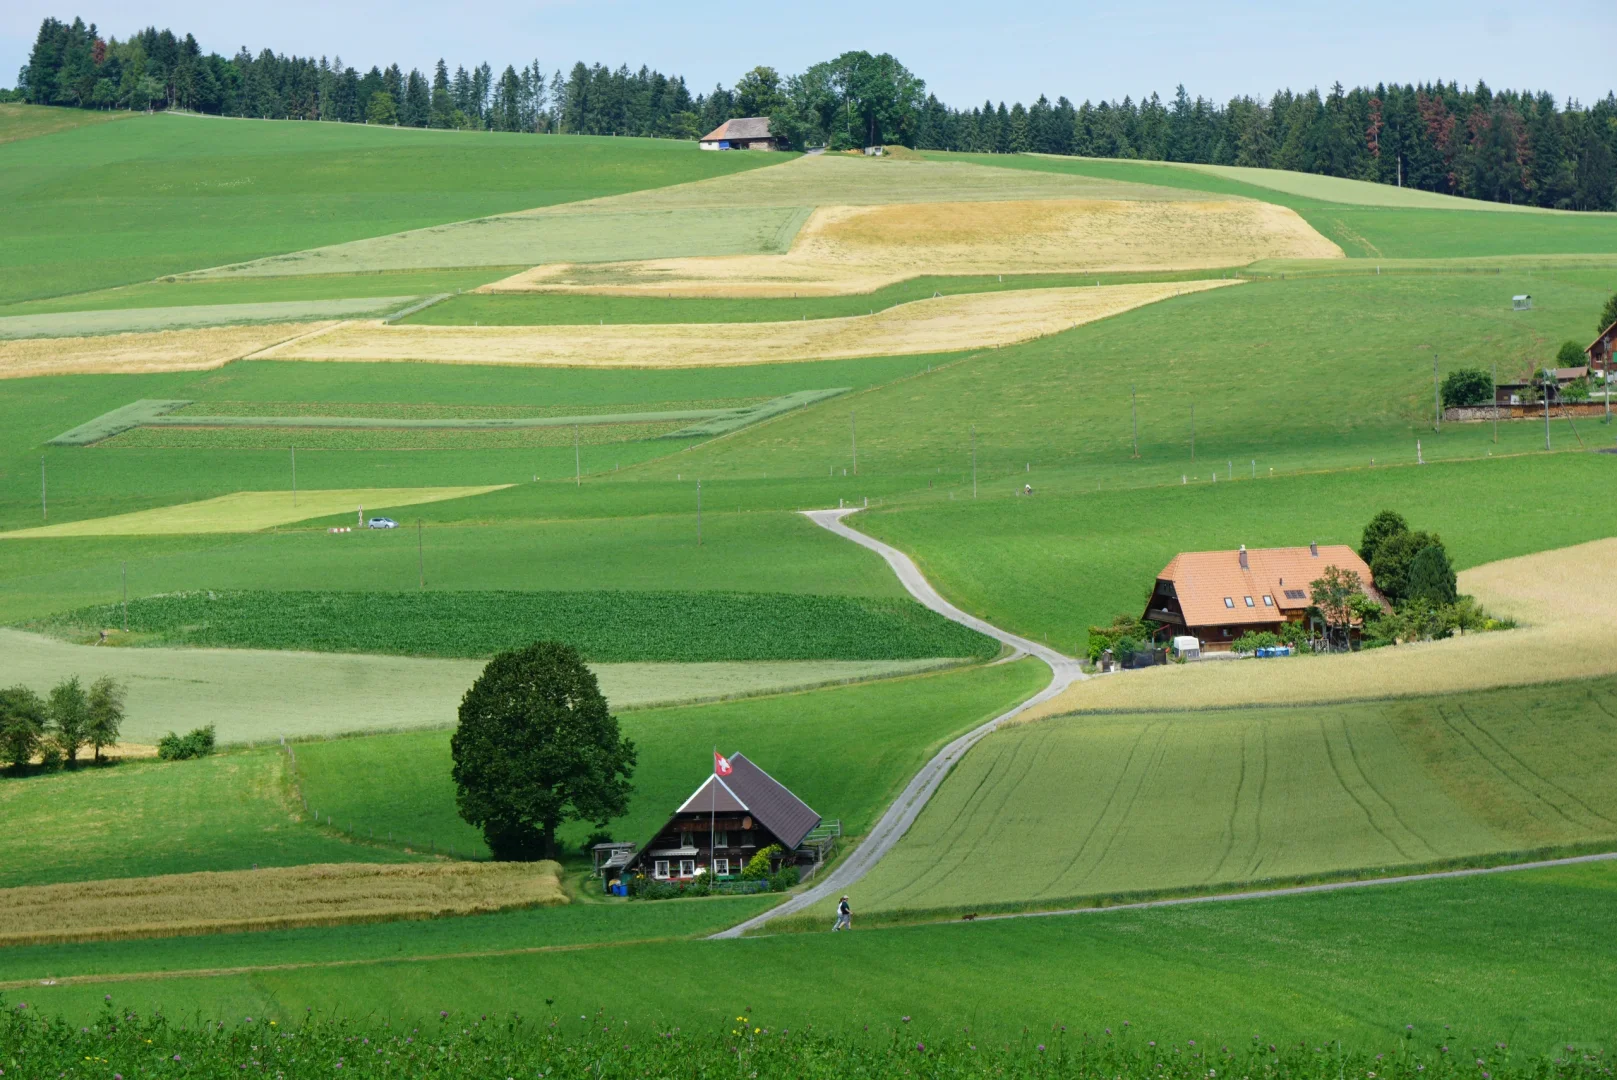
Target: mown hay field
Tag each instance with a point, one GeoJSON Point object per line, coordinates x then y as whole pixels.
{"type": "Point", "coordinates": [859, 249]}
{"type": "Point", "coordinates": [155, 319]}
{"type": "Point", "coordinates": [18, 121]}
{"type": "Point", "coordinates": [249, 511]}
{"type": "Point", "coordinates": [615, 626]}
{"type": "Point", "coordinates": [946, 324]}
{"type": "Point", "coordinates": [1568, 630]}
{"type": "Point", "coordinates": [255, 695]}
{"type": "Point", "coordinates": [1087, 807]}
{"type": "Point", "coordinates": [140, 353]}
{"type": "Point", "coordinates": [276, 898]}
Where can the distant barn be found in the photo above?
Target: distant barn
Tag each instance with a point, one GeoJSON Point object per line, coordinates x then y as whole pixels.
{"type": "Point", "coordinates": [743, 133]}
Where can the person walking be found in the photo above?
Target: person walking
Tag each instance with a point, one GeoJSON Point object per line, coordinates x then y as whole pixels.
{"type": "Point", "coordinates": [844, 916]}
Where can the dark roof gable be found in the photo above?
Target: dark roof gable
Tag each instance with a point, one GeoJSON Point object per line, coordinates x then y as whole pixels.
{"type": "Point", "coordinates": [774, 807]}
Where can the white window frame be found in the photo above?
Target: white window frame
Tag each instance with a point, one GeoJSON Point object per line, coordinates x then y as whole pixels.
{"type": "Point", "coordinates": [721, 839]}
{"type": "Point", "coordinates": [687, 838]}
{"type": "Point", "coordinates": [687, 868]}
{"type": "Point", "coordinates": [721, 867]}
{"type": "Point", "coordinates": [1249, 602]}
{"type": "Point", "coordinates": [1229, 602]}
{"type": "Point", "coordinates": [1268, 601]}
{"type": "Point", "coordinates": [659, 869]}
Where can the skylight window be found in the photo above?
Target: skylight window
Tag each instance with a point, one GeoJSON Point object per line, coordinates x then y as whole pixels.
{"type": "Point", "coordinates": [1249, 602]}
{"type": "Point", "coordinates": [1296, 594]}
{"type": "Point", "coordinates": [1268, 601]}
{"type": "Point", "coordinates": [1229, 601]}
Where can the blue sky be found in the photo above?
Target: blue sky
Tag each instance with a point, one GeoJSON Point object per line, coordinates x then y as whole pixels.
{"type": "Point", "coordinates": [966, 51]}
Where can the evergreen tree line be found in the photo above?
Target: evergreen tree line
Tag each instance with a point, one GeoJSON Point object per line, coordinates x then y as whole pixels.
{"type": "Point", "coordinates": [1506, 146]}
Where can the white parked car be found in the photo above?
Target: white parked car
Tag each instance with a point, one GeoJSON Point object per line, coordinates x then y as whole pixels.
{"type": "Point", "coordinates": [381, 523]}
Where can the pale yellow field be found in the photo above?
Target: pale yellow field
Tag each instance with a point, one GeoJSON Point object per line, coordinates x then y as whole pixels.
{"type": "Point", "coordinates": [943, 324]}
{"type": "Point", "coordinates": [248, 511]}
{"type": "Point", "coordinates": [1567, 629]}
{"type": "Point", "coordinates": [132, 354]}
{"type": "Point", "coordinates": [849, 249]}
{"type": "Point", "coordinates": [279, 898]}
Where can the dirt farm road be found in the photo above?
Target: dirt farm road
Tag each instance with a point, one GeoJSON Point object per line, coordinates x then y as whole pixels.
{"type": "Point", "coordinates": [901, 815]}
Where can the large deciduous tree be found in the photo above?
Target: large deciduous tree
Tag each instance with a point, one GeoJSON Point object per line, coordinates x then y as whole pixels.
{"type": "Point", "coordinates": [69, 710]}
{"type": "Point", "coordinates": [538, 747]}
{"type": "Point", "coordinates": [106, 706]}
{"type": "Point", "coordinates": [23, 715]}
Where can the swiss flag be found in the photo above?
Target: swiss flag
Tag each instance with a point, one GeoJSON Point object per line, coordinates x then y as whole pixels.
{"type": "Point", "coordinates": [720, 766]}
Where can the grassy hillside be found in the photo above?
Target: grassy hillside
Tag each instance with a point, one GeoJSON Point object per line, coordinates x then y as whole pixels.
{"type": "Point", "coordinates": [878, 734]}
{"type": "Point", "coordinates": [31, 121]}
{"type": "Point", "coordinates": [1100, 806]}
{"type": "Point", "coordinates": [1525, 959]}
{"type": "Point", "coordinates": [1425, 228]}
{"type": "Point", "coordinates": [110, 204]}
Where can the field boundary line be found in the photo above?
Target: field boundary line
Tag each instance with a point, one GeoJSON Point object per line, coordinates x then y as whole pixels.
{"type": "Point", "coordinates": [263, 353]}
{"type": "Point", "coordinates": [898, 818]}
{"type": "Point", "coordinates": [1303, 890]}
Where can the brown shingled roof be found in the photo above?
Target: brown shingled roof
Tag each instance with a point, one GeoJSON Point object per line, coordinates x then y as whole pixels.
{"type": "Point", "coordinates": [1203, 580]}
{"type": "Point", "coordinates": [742, 127]}
{"type": "Point", "coordinates": [776, 808]}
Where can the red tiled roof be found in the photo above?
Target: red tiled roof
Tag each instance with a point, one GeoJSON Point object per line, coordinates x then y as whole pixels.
{"type": "Point", "coordinates": [1203, 580]}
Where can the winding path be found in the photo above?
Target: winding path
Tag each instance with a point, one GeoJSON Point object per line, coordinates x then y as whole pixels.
{"type": "Point", "coordinates": [901, 815]}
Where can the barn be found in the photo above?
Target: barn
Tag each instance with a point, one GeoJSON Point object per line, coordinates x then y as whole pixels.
{"type": "Point", "coordinates": [742, 133]}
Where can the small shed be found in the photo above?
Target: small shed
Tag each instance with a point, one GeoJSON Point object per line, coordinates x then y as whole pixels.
{"type": "Point", "coordinates": [1524, 302]}
{"type": "Point", "coordinates": [741, 133]}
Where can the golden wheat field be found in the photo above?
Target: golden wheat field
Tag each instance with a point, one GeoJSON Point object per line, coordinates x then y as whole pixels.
{"type": "Point", "coordinates": [849, 249]}
{"type": "Point", "coordinates": [134, 354]}
{"type": "Point", "coordinates": [1566, 630]}
{"type": "Point", "coordinates": [278, 898]}
{"type": "Point", "coordinates": [943, 324]}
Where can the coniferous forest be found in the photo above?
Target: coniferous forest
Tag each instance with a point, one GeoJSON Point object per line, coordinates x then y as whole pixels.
{"type": "Point", "coordinates": [1506, 146]}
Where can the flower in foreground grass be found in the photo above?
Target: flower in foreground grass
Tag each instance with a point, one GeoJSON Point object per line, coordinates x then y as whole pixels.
{"type": "Point", "coordinates": [905, 1019]}
{"type": "Point", "coordinates": [1041, 1048]}
{"type": "Point", "coordinates": [921, 1047]}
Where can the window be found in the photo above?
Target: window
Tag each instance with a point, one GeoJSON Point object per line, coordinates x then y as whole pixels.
{"type": "Point", "coordinates": [659, 869]}
{"type": "Point", "coordinates": [687, 839]}
{"type": "Point", "coordinates": [746, 839]}
{"type": "Point", "coordinates": [721, 839]}
{"type": "Point", "coordinates": [1268, 601]}
{"type": "Point", "coordinates": [1296, 594]}
{"type": "Point", "coordinates": [721, 867]}
{"type": "Point", "coordinates": [1249, 602]}
{"type": "Point", "coordinates": [687, 868]}
{"type": "Point", "coordinates": [1229, 601]}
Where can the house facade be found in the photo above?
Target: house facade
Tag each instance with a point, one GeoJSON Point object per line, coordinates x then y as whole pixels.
{"type": "Point", "coordinates": [1216, 596]}
{"type": "Point", "coordinates": [742, 133]}
{"type": "Point", "coordinates": [1602, 351]}
{"type": "Point", "coordinates": [725, 822]}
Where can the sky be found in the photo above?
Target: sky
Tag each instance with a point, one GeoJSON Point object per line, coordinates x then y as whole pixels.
{"type": "Point", "coordinates": [966, 52]}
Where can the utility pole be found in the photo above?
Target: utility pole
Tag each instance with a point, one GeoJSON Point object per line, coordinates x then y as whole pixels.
{"type": "Point", "coordinates": [44, 504]}
{"type": "Point", "coordinates": [853, 431]}
{"type": "Point", "coordinates": [1548, 378]}
{"type": "Point", "coordinates": [1134, 416]}
{"type": "Point", "coordinates": [420, 557]}
{"type": "Point", "coordinates": [698, 513]}
{"type": "Point", "coordinates": [1496, 402]}
{"type": "Point", "coordinates": [1437, 398]}
{"type": "Point", "coordinates": [578, 468]}
{"type": "Point", "coordinates": [1193, 433]}
{"type": "Point", "coordinates": [974, 461]}
{"type": "Point", "coordinates": [294, 475]}
{"type": "Point", "coordinates": [124, 569]}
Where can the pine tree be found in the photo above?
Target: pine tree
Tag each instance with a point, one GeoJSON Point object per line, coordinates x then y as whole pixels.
{"type": "Point", "coordinates": [441, 111]}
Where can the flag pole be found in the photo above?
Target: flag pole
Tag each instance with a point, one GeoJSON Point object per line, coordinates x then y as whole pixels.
{"type": "Point", "coordinates": [713, 818]}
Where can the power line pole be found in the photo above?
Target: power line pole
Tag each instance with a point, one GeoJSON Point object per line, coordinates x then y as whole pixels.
{"type": "Point", "coordinates": [420, 557]}
{"type": "Point", "coordinates": [124, 569]}
{"type": "Point", "coordinates": [44, 504]}
{"type": "Point", "coordinates": [578, 468]}
{"type": "Point", "coordinates": [1547, 380]}
{"type": "Point", "coordinates": [1193, 433]}
{"type": "Point", "coordinates": [974, 461]}
{"type": "Point", "coordinates": [699, 513]}
{"type": "Point", "coordinates": [1134, 417]}
{"type": "Point", "coordinates": [1496, 402]}
{"type": "Point", "coordinates": [294, 475]}
{"type": "Point", "coordinates": [853, 430]}
{"type": "Point", "coordinates": [1437, 398]}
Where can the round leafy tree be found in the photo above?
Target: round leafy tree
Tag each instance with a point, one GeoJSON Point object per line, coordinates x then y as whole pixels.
{"type": "Point", "coordinates": [537, 747]}
{"type": "Point", "coordinates": [1382, 528]}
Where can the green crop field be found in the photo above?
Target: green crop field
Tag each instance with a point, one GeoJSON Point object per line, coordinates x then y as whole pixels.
{"type": "Point", "coordinates": [103, 205]}
{"type": "Point", "coordinates": [605, 626]}
{"type": "Point", "coordinates": [400, 783]}
{"type": "Point", "coordinates": [1045, 813]}
{"type": "Point", "coordinates": [1525, 959]}
{"type": "Point", "coordinates": [227, 812]}
{"type": "Point", "coordinates": [31, 121]}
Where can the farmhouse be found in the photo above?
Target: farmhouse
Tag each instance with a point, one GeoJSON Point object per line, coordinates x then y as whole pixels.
{"type": "Point", "coordinates": [1220, 595]}
{"type": "Point", "coordinates": [743, 133]}
{"type": "Point", "coordinates": [727, 821]}
{"type": "Point", "coordinates": [1602, 351]}
{"type": "Point", "coordinates": [1531, 388]}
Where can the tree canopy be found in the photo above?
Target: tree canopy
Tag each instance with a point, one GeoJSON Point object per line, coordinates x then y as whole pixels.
{"type": "Point", "coordinates": [537, 747]}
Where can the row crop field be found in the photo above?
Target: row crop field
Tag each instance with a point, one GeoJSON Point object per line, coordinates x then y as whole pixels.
{"type": "Point", "coordinates": [606, 626]}
{"type": "Point", "coordinates": [1047, 813]}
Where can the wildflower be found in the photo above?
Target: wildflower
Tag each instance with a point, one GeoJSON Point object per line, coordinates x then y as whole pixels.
{"type": "Point", "coordinates": [176, 1057]}
{"type": "Point", "coordinates": [107, 997]}
{"type": "Point", "coordinates": [1041, 1048]}
{"type": "Point", "coordinates": [1108, 1031]}
{"type": "Point", "coordinates": [1153, 1042]}
{"type": "Point", "coordinates": [920, 1047]}
{"type": "Point", "coordinates": [1480, 1063]}
{"type": "Point", "coordinates": [1192, 1042]}
{"type": "Point", "coordinates": [442, 1014]}
{"type": "Point", "coordinates": [906, 1019]}
{"type": "Point", "coordinates": [756, 1030]}
{"type": "Point", "coordinates": [1409, 1027]}
{"type": "Point", "coordinates": [1372, 1076]}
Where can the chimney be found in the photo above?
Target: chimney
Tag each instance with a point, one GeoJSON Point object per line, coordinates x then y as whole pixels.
{"type": "Point", "coordinates": [1244, 563]}
{"type": "Point", "coordinates": [1313, 549]}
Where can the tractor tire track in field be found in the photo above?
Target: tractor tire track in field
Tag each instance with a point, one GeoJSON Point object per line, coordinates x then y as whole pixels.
{"type": "Point", "coordinates": [1158, 755]}
{"type": "Point", "coordinates": [1392, 807]}
{"type": "Point", "coordinates": [1111, 799]}
{"type": "Point", "coordinates": [1506, 774]}
{"type": "Point", "coordinates": [1528, 769]}
{"type": "Point", "coordinates": [1342, 782]}
{"type": "Point", "coordinates": [1254, 859]}
{"type": "Point", "coordinates": [897, 819]}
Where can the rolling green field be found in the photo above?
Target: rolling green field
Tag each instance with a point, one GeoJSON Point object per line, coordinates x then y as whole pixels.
{"type": "Point", "coordinates": [112, 204]}
{"type": "Point", "coordinates": [1426, 227]}
{"type": "Point", "coordinates": [605, 626]}
{"type": "Point", "coordinates": [895, 724]}
{"type": "Point", "coordinates": [19, 121]}
{"type": "Point", "coordinates": [1521, 958]}
{"type": "Point", "coordinates": [228, 812]}
{"type": "Point", "coordinates": [1045, 813]}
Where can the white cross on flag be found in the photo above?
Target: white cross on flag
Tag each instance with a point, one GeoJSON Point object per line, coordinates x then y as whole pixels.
{"type": "Point", "coordinates": [720, 766]}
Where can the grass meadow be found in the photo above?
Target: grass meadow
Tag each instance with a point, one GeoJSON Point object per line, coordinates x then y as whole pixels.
{"type": "Point", "coordinates": [876, 733]}
{"type": "Point", "coordinates": [1047, 813]}
{"type": "Point", "coordinates": [1520, 958]}
{"type": "Point", "coordinates": [113, 204]}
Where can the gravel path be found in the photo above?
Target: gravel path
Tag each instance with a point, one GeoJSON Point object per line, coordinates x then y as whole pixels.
{"type": "Point", "coordinates": [902, 814]}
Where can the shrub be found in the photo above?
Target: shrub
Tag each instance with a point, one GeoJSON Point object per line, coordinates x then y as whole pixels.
{"type": "Point", "coordinates": [758, 868]}
{"type": "Point", "coordinates": [1467, 386]}
{"type": "Point", "coordinates": [787, 877]}
{"type": "Point", "coordinates": [1253, 640]}
{"type": "Point", "coordinates": [1571, 354]}
{"type": "Point", "coordinates": [597, 837]}
{"type": "Point", "coordinates": [1123, 628]}
{"type": "Point", "coordinates": [193, 744]}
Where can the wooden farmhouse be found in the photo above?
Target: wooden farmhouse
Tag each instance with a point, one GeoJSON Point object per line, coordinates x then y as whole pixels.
{"type": "Point", "coordinates": [727, 821]}
{"type": "Point", "coordinates": [1219, 595]}
{"type": "Point", "coordinates": [1602, 351]}
{"type": "Point", "coordinates": [743, 133]}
